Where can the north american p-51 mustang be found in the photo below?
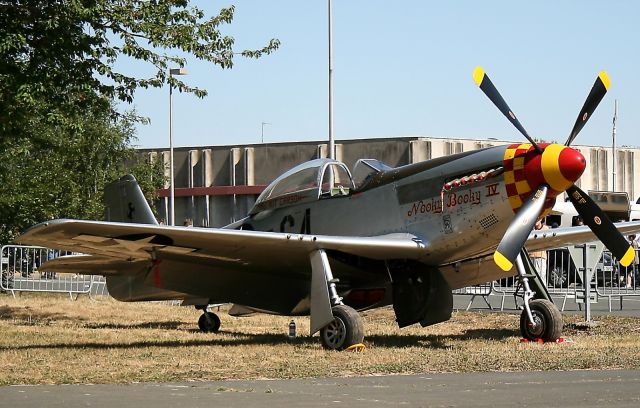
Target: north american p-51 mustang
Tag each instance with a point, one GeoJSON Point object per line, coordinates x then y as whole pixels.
{"type": "Point", "coordinates": [320, 241]}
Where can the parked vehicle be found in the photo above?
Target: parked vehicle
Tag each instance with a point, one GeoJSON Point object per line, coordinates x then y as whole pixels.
{"type": "Point", "coordinates": [634, 214]}
{"type": "Point", "coordinates": [615, 205]}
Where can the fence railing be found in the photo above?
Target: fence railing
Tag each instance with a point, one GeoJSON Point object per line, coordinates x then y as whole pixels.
{"type": "Point", "coordinates": [20, 272]}
{"type": "Point", "coordinates": [564, 280]}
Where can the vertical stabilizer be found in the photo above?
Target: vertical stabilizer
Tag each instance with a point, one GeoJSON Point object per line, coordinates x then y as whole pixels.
{"type": "Point", "coordinates": [124, 202]}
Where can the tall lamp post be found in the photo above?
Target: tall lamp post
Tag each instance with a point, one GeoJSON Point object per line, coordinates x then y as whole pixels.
{"type": "Point", "coordinates": [613, 145]}
{"type": "Point", "coordinates": [172, 71]}
{"type": "Point", "coordinates": [331, 153]}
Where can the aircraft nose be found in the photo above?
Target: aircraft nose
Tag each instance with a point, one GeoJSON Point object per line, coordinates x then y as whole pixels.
{"type": "Point", "coordinates": [572, 164]}
{"type": "Point", "coordinates": [562, 166]}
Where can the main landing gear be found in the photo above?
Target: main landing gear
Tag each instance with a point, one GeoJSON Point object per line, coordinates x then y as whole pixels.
{"type": "Point", "coordinates": [540, 319]}
{"type": "Point", "coordinates": [340, 326]}
{"type": "Point", "coordinates": [547, 321]}
{"type": "Point", "coordinates": [344, 331]}
{"type": "Point", "coordinates": [208, 322]}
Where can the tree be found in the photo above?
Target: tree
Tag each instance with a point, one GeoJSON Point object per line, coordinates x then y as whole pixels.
{"type": "Point", "coordinates": [65, 178]}
{"type": "Point", "coordinates": [61, 135]}
{"type": "Point", "coordinates": [59, 56]}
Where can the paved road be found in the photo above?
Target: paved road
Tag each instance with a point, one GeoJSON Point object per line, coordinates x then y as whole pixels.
{"type": "Point", "coordinates": [531, 389]}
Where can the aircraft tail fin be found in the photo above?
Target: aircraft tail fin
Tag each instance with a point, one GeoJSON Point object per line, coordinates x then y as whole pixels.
{"type": "Point", "coordinates": [125, 202]}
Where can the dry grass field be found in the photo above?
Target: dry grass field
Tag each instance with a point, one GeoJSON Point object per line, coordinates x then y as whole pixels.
{"type": "Point", "coordinates": [46, 339]}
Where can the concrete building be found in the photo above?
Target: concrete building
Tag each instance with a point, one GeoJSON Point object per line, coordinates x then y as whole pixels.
{"type": "Point", "coordinates": [216, 185]}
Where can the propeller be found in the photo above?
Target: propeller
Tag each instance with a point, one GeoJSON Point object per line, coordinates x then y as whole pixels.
{"type": "Point", "coordinates": [601, 225]}
{"type": "Point", "coordinates": [599, 89]}
{"type": "Point", "coordinates": [485, 84]}
{"type": "Point", "coordinates": [559, 167]}
{"type": "Point", "coordinates": [519, 229]}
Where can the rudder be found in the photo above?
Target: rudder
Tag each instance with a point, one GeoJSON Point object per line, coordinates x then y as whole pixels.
{"type": "Point", "coordinates": [125, 202]}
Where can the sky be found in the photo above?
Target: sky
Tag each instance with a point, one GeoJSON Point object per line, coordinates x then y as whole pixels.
{"type": "Point", "coordinates": [404, 68]}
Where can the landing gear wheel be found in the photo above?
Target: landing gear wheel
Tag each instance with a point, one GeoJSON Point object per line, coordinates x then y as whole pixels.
{"type": "Point", "coordinates": [209, 322]}
{"type": "Point", "coordinates": [548, 321]}
{"type": "Point", "coordinates": [344, 331]}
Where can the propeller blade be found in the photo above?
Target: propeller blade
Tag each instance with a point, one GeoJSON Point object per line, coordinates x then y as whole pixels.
{"type": "Point", "coordinates": [484, 83]}
{"type": "Point", "coordinates": [520, 228]}
{"type": "Point", "coordinates": [601, 226]}
{"type": "Point", "coordinates": [598, 91]}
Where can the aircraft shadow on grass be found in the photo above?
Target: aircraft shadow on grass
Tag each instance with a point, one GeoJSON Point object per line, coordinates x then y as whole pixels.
{"type": "Point", "coordinates": [28, 316]}
{"type": "Point", "coordinates": [267, 339]}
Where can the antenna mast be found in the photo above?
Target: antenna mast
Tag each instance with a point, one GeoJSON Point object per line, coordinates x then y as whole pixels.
{"type": "Point", "coordinates": [613, 145]}
{"type": "Point", "coordinates": [331, 152]}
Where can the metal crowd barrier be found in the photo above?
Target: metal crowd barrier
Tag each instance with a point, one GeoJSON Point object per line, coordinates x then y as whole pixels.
{"type": "Point", "coordinates": [564, 280]}
{"type": "Point", "coordinates": [483, 291]}
{"type": "Point", "coordinates": [619, 282]}
{"type": "Point", "coordinates": [20, 272]}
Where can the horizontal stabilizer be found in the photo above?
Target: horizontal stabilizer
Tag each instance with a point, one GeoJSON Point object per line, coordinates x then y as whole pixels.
{"type": "Point", "coordinates": [93, 265]}
{"type": "Point", "coordinates": [241, 311]}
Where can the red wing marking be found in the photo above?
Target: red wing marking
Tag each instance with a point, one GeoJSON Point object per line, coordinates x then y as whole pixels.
{"type": "Point", "coordinates": [156, 271]}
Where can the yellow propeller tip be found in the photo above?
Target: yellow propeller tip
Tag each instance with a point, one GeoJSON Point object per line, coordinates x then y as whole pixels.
{"type": "Point", "coordinates": [502, 261]}
{"type": "Point", "coordinates": [605, 79]}
{"type": "Point", "coordinates": [478, 75]}
{"type": "Point", "coordinates": [628, 257]}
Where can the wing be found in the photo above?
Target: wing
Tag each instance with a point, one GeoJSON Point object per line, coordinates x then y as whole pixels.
{"type": "Point", "coordinates": [128, 243]}
{"type": "Point", "coordinates": [560, 237]}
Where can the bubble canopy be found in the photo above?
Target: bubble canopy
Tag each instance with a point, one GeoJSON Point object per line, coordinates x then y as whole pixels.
{"type": "Point", "coordinates": [308, 181]}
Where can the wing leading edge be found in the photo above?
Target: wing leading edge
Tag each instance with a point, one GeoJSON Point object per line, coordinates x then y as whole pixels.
{"type": "Point", "coordinates": [125, 242]}
{"type": "Point", "coordinates": [136, 242]}
{"type": "Point", "coordinates": [559, 237]}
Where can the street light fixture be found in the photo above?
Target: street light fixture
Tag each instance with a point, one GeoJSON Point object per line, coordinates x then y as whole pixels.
{"type": "Point", "coordinates": [262, 132]}
{"type": "Point", "coordinates": [172, 71]}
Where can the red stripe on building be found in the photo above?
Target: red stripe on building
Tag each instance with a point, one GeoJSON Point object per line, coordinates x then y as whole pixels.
{"type": "Point", "coordinates": [213, 191]}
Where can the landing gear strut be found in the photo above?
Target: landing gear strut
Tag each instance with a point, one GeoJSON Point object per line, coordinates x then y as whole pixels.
{"type": "Point", "coordinates": [340, 326]}
{"type": "Point", "coordinates": [208, 322]}
{"type": "Point", "coordinates": [540, 319]}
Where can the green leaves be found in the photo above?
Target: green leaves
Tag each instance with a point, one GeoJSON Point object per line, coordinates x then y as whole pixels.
{"type": "Point", "coordinates": [61, 136]}
{"type": "Point", "coordinates": [66, 50]}
{"type": "Point", "coordinates": [60, 171]}
{"type": "Point", "coordinates": [150, 32]}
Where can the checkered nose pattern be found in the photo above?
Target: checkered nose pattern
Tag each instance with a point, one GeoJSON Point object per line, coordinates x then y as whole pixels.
{"type": "Point", "coordinates": [524, 170]}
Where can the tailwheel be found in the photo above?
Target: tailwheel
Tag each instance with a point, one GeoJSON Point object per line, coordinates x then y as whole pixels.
{"type": "Point", "coordinates": [344, 331]}
{"type": "Point", "coordinates": [209, 322]}
{"type": "Point", "coordinates": [547, 318]}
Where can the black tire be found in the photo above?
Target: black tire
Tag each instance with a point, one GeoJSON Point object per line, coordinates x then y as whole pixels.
{"type": "Point", "coordinates": [548, 321]}
{"type": "Point", "coordinates": [209, 322]}
{"type": "Point", "coordinates": [344, 331]}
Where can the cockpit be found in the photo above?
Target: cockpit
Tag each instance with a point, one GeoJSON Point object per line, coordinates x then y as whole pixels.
{"type": "Point", "coordinates": [310, 181]}
{"type": "Point", "coordinates": [365, 171]}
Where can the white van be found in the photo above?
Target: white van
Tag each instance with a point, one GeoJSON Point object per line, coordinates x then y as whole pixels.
{"type": "Point", "coordinates": [635, 211]}
{"type": "Point", "coordinates": [615, 204]}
